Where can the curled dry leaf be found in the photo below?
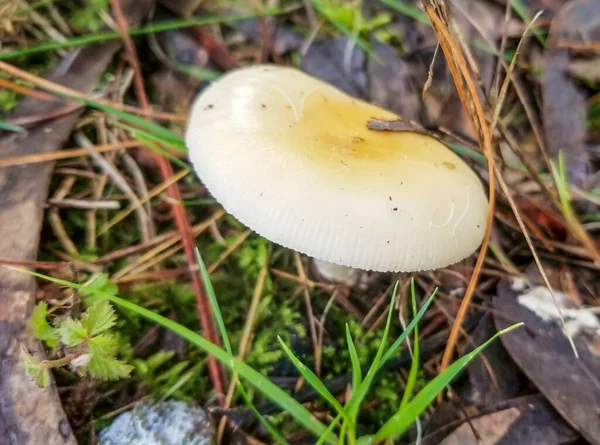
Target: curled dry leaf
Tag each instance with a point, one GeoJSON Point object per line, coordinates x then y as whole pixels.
{"type": "Point", "coordinates": [527, 423]}
{"type": "Point", "coordinates": [564, 104]}
{"type": "Point", "coordinates": [544, 354]}
{"type": "Point", "coordinates": [339, 62]}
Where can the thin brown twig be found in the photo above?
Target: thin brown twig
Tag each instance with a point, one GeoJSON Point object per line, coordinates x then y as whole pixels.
{"type": "Point", "coordinates": [245, 341]}
{"type": "Point", "coordinates": [69, 92]}
{"type": "Point", "coordinates": [460, 73]}
{"type": "Point", "coordinates": [204, 309]}
{"type": "Point", "coordinates": [66, 154]}
{"type": "Point", "coordinates": [309, 310]}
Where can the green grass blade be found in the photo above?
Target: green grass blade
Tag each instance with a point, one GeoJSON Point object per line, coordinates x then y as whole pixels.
{"type": "Point", "coordinates": [322, 9]}
{"type": "Point", "coordinates": [329, 431]}
{"type": "Point", "coordinates": [408, 329]}
{"type": "Point", "coordinates": [403, 418]}
{"type": "Point", "coordinates": [407, 9]}
{"type": "Point", "coordinates": [313, 380]}
{"type": "Point", "coordinates": [278, 437]}
{"type": "Point", "coordinates": [198, 202]}
{"type": "Point", "coordinates": [212, 298]}
{"type": "Point", "coordinates": [414, 366]}
{"type": "Point", "coordinates": [356, 371]}
{"type": "Point", "coordinates": [358, 395]}
{"type": "Point", "coordinates": [162, 134]}
{"type": "Point", "coordinates": [148, 136]}
{"type": "Point", "coordinates": [168, 25]}
{"type": "Point", "coordinates": [519, 7]}
{"type": "Point", "coordinates": [149, 143]}
{"type": "Point", "coordinates": [256, 379]}
{"type": "Point", "coordinates": [5, 126]}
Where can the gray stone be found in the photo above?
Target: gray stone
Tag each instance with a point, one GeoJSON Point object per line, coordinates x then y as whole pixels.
{"type": "Point", "coordinates": [162, 423]}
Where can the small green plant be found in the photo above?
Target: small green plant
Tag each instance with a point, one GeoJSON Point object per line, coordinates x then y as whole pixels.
{"type": "Point", "coordinates": [85, 344]}
{"type": "Point", "coordinates": [343, 429]}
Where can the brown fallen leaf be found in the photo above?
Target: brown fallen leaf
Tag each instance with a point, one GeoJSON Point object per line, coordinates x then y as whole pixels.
{"type": "Point", "coordinates": [30, 415]}
{"type": "Point", "coordinates": [492, 375]}
{"type": "Point", "coordinates": [544, 354]}
{"type": "Point", "coordinates": [529, 423]}
{"type": "Point", "coordinates": [394, 82]}
{"type": "Point", "coordinates": [564, 104]}
{"type": "Point", "coordinates": [525, 420]}
{"type": "Point", "coordinates": [339, 62]}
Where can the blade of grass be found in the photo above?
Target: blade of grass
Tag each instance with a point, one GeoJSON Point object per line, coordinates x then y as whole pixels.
{"type": "Point", "coordinates": [313, 380]}
{"type": "Point", "coordinates": [212, 298]}
{"type": "Point", "coordinates": [149, 141]}
{"type": "Point", "coordinates": [409, 328]}
{"type": "Point", "coordinates": [356, 372]}
{"type": "Point", "coordinates": [322, 8]}
{"type": "Point", "coordinates": [404, 417]}
{"type": "Point", "coordinates": [360, 393]}
{"type": "Point", "coordinates": [408, 10]}
{"type": "Point", "coordinates": [168, 25]}
{"type": "Point", "coordinates": [153, 130]}
{"type": "Point", "coordinates": [329, 430]}
{"type": "Point", "coordinates": [5, 126]}
{"type": "Point", "coordinates": [519, 7]}
{"type": "Point", "coordinates": [414, 366]}
{"type": "Point", "coordinates": [256, 379]}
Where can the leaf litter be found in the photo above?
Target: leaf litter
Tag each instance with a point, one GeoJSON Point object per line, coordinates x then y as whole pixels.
{"type": "Point", "coordinates": [549, 100]}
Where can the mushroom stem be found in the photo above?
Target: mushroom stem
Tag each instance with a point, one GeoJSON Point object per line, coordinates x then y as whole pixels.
{"type": "Point", "coordinates": [336, 273]}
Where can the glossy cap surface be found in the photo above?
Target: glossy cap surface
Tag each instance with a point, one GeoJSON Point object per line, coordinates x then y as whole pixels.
{"type": "Point", "coordinates": [291, 157]}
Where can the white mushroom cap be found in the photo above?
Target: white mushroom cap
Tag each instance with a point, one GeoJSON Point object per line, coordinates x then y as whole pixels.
{"type": "Point", "coordinates": [291, 157]}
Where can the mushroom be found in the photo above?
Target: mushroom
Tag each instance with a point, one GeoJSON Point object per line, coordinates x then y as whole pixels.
{"type": "Point", "coordinates": [291, 157]}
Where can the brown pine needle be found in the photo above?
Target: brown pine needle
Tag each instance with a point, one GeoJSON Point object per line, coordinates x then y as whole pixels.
{"type": "Point", "coordinates": [461, 74]}
{"type": "Point", "coordinates": [205, 312]}
{"type": "Point", "coordinates": [230, 249]}
{"type": "Point", "coordinates": [245, 342]}
{"type": "Point", "coordinates": [67, 153]}
{"type": "Point", "coordinates": [65, 91]}
{"type": "Point", "coordinates": [151, 194]}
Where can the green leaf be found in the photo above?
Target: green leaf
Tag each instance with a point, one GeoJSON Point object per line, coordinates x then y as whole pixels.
{"type": "Point", "coordinates": [31, 366]}
{"type": "Point", "coordinates": [98, 318]}
{"type": "Point", "coordinates": [303, 416]}
{"type": "Point", "coordinates": [404, 417]}
{"type": "Point", "coordinates": [108, 368]}
{"type": "Point", "coordinates": [356, 372]}
{"type": "Point", "coordinates": [101, 281]}
{"type": "Point", "coordinates": [212, 298]}
{"type": "Point", "coordinates": [43, 378]}
{"type": "Point", "coordinates": [313, 380]}
{"type": "Point", "coordinates": [408, 329]}
{"type": "Point", "coordinates": [72, 332]}
{"type": "Point", "coordinates": [11, 127]}
{"type": "Point", "coordinates": [34, 370]}
{"type": "Point", "coordinates": [103, 344]}
{"type": "Point", "coordinates": [214, 303]}
{"type": "Point", "coordinates": [134, 31]}
{"type": "Point", "coordinates": [358, 395]}
{"type": "Point", "coordinates": [414, 367]}
{"type": "Point", "coordinates": [40, 327]}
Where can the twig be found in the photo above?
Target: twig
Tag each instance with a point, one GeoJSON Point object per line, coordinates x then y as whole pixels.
{"type": "Point", "coordinates": [309, 312]}
{"type": "Point", "coordinates": [204, 309]}
{"type": "Point", "coordinates": [65, 154]}
{"type": "Point", "coordinates": [229, 250]}
{"type": "Point", "coordinates": [460, 74]}
{"type": "Point", "coordinates": [84, 203]}
{"type": "Point", "coordinates": [245, 341]}
{"type": "Point", "coordinates": [65, 91]}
